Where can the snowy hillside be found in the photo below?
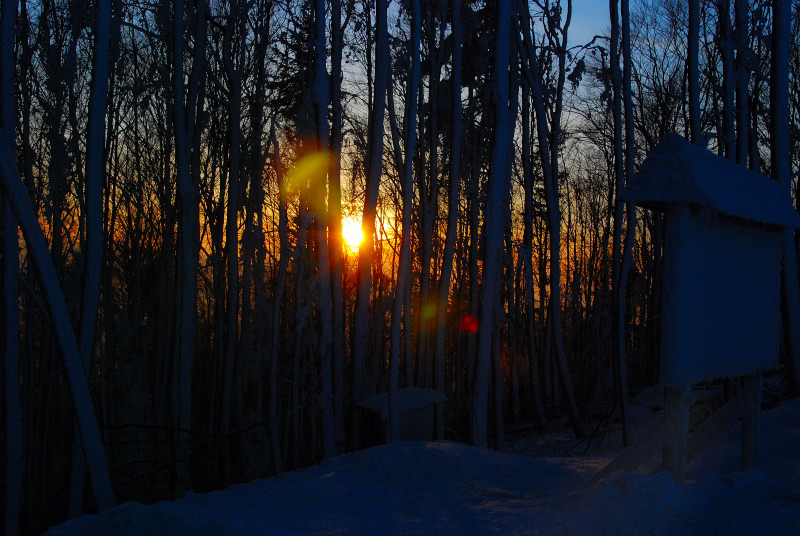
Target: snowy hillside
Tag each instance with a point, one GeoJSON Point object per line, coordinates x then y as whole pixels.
{"type": "Point", "coordinates": [449, 488]}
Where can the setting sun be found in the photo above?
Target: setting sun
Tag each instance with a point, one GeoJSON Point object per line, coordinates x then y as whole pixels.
{"type": "Point", "coordinates": [351, 233]}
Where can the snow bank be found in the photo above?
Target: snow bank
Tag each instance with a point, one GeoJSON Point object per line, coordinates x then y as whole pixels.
{"type": "Point", "coordinates": [448, 488]}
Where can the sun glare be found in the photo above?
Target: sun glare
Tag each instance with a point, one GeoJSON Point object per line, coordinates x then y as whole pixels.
{"type": "Point", "coordinates": [351, 233]}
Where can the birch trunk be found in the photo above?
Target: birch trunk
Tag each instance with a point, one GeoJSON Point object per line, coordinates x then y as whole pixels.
{"type": "Point", "coordinates": [15, 460]}
{"type": "Point", "coordinates": [404, 271]}
{"type": "Point", "coordinates": [452, 214]}
{"type": "Point", "coordinates": [233, 69]}
{"type": "Point", "coordinates": [742, 76]}
{"type": "Point", "coordinates": [94, 181]}
{"type": "Point", "coordinates": [526, 252]}
{"type": "Point", "coordinates": [302, 323]}
{"type": "Point", "coordinates": [373, 170]}
{"type": "Point", "coordinates": [619, 365]}
{"type": "Point", "coordinates": [277, 299]}
{"type": "Point", "coordinates": [429, 205]}
{"type": "Point", "coordinates": [91, 440]}
{"type": "Point", "coordinates": [253, 336]}
{"type": "Point", "coordinates": [781, 166]}
{"type": "Point", "coordinates": [548, 137]}
{"type": "Point", "coordinates": [189, 236]}
{"type": "Point", "coordinates": [728, 86]}
{"type": "Point", "coordinates": [93, 252]}
{"type": "Point", "coordinates": [693, 51]}
{"type": "Point", "coordinates": [624, 213]}
{"type": "Point", "coordinates": [320, 97]}
{"type": "Point", "coordinates": [473, 196]}
{"type": "Point", "coordinates": [335, 221]}
{"type": "Point", "coordinates": [494, 222]}
{"type": "Point", "coordinates": [630, 210]}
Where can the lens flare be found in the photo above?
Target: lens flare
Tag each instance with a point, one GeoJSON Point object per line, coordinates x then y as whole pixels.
{"type": "Point", "coordinates": [468, 324]}
{"type": "Point", "coordinates": [428, 311]}
{"type": "Point", "coordinates": [307, 170]}
{"type": "Point", "coordinates": [311, 171]}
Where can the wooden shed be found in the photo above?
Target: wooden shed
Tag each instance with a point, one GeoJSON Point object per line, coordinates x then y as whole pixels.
{"type": "Point", "coordinates": [724, 228]}
{"type": "Point", "coordinates": [415, 407]}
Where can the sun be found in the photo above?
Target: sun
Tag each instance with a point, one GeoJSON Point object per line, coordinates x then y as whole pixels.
{"type": "Point", "coordinates": [351, 233]}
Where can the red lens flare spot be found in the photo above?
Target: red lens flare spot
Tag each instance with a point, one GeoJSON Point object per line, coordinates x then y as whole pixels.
{"type": "Point", "coordinates": [469, 324]}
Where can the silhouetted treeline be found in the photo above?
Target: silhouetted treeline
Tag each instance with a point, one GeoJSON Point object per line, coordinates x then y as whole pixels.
{"type": "Point", "coordinates": [180, 311]}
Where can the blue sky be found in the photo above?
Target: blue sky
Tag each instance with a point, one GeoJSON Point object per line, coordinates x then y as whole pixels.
{"type": "Point", "coordinates": [589, 17]}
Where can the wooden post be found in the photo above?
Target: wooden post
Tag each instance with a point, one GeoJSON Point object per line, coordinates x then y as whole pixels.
{"type": "Point", "coordinates": [715, 427]}
{"type": "Point", "coordinates": [676, 422]}
{"type": "Point", "coordinates": [751, 419]}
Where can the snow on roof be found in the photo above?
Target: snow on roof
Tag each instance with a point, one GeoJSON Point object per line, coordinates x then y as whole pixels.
{"type": "Point", "coordinates": [679, 172]}
{"type": "Point", "coordinates": [409, 399]}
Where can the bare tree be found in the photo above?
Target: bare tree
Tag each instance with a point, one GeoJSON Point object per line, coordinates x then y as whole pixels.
{"type": "Point", "coordinates": [630, 211]}
{"type": "Point", "coordinates": [57, 308]}
{"type": "Point", "coordinates": [93, 207]}
{"type": "Point", "coordinates": [693, 52]}
{"type": "Point", "coordinates": [454, 196]}
{"type": "Point", "coordinates": [781, 171]}
{"type": "Point", "coordinates": [428, 186]}
{"type": "Point", "coordinates": [335, 220]}
{"type": "Point", "coordinates": [373, 172]}
{"type": "Point", "coordinates": [526, 253]}
{"type": "Point", "coordinates": [742, 74]}
{"type": "Point", "coordinates": [277, 299]}
{"type": "Point", "coordinates": [15, 461]}
{"type": "Point", "coordinates": [404, 270]}
{"type": "Point", "coordinates": [727, 47]}
{"type": "Point", "coordinates": [320, 98]}
{"type": "Point", "coordinates": [494, 222]}
{"type": "Point", "coordinates": [548, 126]}
{"type": "Point", "coordinates": [624, 213]}
{"type": "Point", "coordinates": [233, 52]}
{"type": "Point", "coordinates": [183, 116]}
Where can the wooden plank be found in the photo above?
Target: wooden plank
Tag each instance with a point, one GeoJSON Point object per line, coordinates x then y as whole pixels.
{"type": "Point", "coordinates": [751, 420]}
{"type": "Point", "coordinates": [677, 401]}
{"type": "Point", "coordinates": [715, 427]}
{"type": "Point", "coordinates": [634, 456]}
{"type": "Point", "coordinates": [669, 433]}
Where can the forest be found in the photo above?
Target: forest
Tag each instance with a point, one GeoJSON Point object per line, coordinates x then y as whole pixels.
{"type": "Point", "coordinates": [227, 222]}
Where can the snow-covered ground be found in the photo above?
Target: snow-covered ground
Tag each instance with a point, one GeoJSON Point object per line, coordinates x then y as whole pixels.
{"type": "Point", "coordinates": [450, 488]}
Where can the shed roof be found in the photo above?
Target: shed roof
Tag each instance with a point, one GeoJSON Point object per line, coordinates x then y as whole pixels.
{"type": "Point", "coordinates": [679, 172]}
{"type": "Point", "coordinates": [409, 399]}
